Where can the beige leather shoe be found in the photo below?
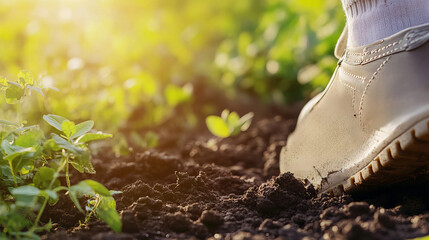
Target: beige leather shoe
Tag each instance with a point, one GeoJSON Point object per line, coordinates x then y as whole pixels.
{"type": "Point", "coordinates": [370, 126]}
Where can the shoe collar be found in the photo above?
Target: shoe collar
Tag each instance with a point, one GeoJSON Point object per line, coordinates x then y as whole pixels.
{"type": "Point", "coordinates": [405, 40]}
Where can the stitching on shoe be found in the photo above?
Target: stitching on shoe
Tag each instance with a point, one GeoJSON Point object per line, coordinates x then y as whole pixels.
{"type": "Point", "coordinates": [364, 57]}
{"type": "Point", "coordinates": [382, 55]}
{"type": "Point", "coordinates": [356, 54]}
{"type": "Point", "coordinates": [404, 41]}
{"type": "Point", "coordinates": [347, 85]}
{"type": "Point", "coordinates": [353, 97]}
{"type": "Point", "coordinates": [362, 100]}
{"type": "Point", "coordinates": [353, 89]}
{"type": "Point", "coordinates": [353, 75]}
{"type": "Point", "coordinates": [377, 50]}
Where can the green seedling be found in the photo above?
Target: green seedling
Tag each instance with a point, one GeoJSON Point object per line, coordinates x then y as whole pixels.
{"type": "Point", "coordinates": [31, 164]}
{"type": "Point", "coordinates": [175, 95]}
{"type": "Point", "coordinates": [73, 140]}
{"type": "Point", "coordinates": [15, 91]}
{"type": "Point", "coordinates": [100, 202]}
{"type": "Point", "coordinates": [228, 124]}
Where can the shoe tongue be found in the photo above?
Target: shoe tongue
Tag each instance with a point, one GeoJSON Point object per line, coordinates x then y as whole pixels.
{"type": "Point", "coordinates": [341, 46]}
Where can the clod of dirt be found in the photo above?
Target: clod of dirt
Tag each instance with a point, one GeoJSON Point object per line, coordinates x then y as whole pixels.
{"type": "Point", "coordinates": [194, 210]}
{"type": "Point", "coordinates": [345, 230]}
{"type": "Point", "coordinates": [178, 222]}
{"type": "Point", "coordinates": [211, 218]}
{"type": "Point", "coordinates": [129, 224]}
{"type": "Point", "coordinates": [356, 209]}
{"type": "Point", "coordinates": [384, 219]}
{"type": "Point", "coordinates": [282, 192]}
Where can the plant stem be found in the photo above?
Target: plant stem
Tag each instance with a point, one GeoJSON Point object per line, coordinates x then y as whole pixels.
{"type": "Point", "coordinates": [97, 203]}
{"type": "Point", "coordinates": [67, 172]}
{"type": "Point", "coordinates": [19, 112]}
{"type": "Point", "coordinates": [39, 215]}
{"type": "Point", "coordinates": [13, 174]}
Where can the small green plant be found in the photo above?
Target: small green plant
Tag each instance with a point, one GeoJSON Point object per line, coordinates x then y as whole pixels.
{"type": "Point", "coordinates": [100, 202]}
{"type": "Point", "coordinates": [228, 124]}
{"type": "Point", "coordinates": [73, 139]}
{"type": "Point", "coordinates": [31, 164]}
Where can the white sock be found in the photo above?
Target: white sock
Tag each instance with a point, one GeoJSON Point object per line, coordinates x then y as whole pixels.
{"type": "Point", "coordinates": [372, 20]}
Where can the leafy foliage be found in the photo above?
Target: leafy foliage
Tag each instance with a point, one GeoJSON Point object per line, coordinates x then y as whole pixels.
{"type": "Point", "coordinates": [228, 124]}
{"type": "Point", "coordinates": [31, 164]}
{"type": "Point", "coordinates": [276, 50]}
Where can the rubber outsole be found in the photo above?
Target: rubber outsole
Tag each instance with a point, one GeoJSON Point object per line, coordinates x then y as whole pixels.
{"type": "Point", "coordinates": [404, 157]}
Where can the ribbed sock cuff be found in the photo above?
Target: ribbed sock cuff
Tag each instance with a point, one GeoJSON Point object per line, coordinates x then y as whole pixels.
{"type": "Point", "coordinates": [356, 7]}
{"type": "Point", "coordinates": [372, 20]}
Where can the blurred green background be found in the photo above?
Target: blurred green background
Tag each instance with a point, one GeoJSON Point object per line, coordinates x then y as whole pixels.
{"type": "Point", "coordinates": [111, 59]}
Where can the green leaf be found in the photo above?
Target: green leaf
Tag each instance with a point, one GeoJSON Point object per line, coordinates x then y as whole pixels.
{"type": "Point", "coordinates": [176, 95]}
{"type": "Point", "coordinates": [25, 190]}
{"type": "Point", "coordinates": [8, 123]}
{"type": "Point", "coordinates": [79, 190]}
{"type": "Point", "coordinates": [68, 128]}
{"type": "Point", "coordinates": [16, 223]}
{"type": "Point", "coordinates": [82, 163]}
{"type": "Point", "coordinates": [61, 142]}
{"type": "Point", "coordinates": [224, 115]}
{"type": "Point", "coordinates": [51, 145]}
{"type": "Point", "coordinates": [18, 153]}
{"type": "Point", "coordinates": [37, 89]}
{"type": "Point", "coordinates": [52, 196]}
{"type": "Point", "coordinates": [25, 196]}
{"type": "Point", "coordinates": [114, 192]}
{"type": "Point", "coordinates": [8, 148]}
{"type": "Point", "coordinates": [78, 167]}
{"type": "Point", "coordinates": [43, 178]}
{"type": "Point", "coordinates": [26, 169]}
{"type": "Point", "coordinates": [7, 176]}
{"type": "Point", "coordinates": [18, 130]}
{"type": "Point", "coordinates": [83, 128]}
{"type": "Point", "coordinates": [98, 187]}
{"type": "Point", "coordinates": [243, 124]}
{"type": "Point", "coordinates": [13, 93]}
{"type": "Point", "coordinates": [3, 83]}
{"type": "Point", "coordinates": [245, 121]}
{"type": "Point", "coordinates": [25, 78]}
{"type": "Point", "coordinates": [151, 139]}
{"type": "Point", "coordinates": [106, 211]}
{"type": "Point", "coordinates": [86, 188]}
{"type": "Point", "coordinates": [32, 236]}
{"type": "Point", "coordinates": [49, 194]}
{"type": "Point", "coordinates": [217, 126]}
{"type": "Point", "coordinates": [92, 137]}
{"type": "Point", "coordinates": [54, 120]}
{"type": "Point", "coordinates": [232, 119]}
{"type": "Point", "coordinates": [30, 139]}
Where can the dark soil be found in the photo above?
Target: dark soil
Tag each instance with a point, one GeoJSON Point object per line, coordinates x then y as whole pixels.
{"type": "Point", "coordinates": [231, 189]}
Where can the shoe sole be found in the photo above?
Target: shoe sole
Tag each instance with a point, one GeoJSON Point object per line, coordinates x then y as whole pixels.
{"type": "Point", "coordinates": [406, 156]}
